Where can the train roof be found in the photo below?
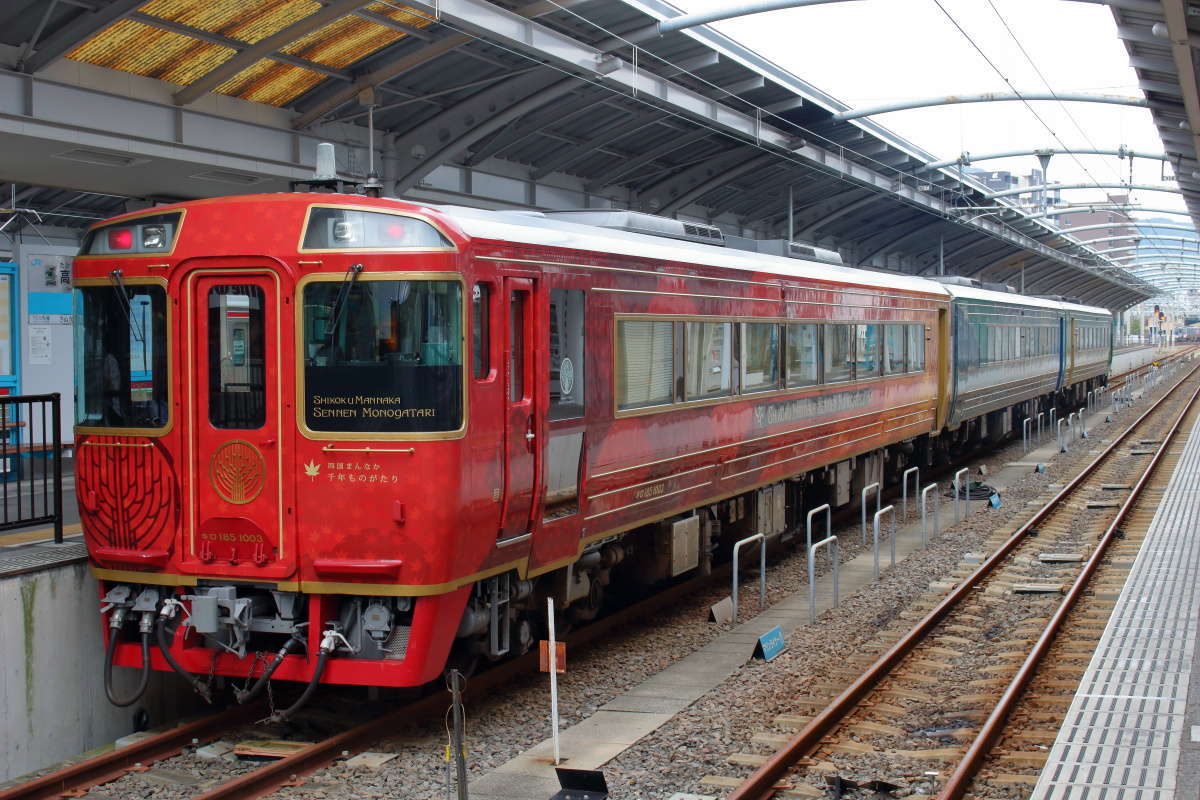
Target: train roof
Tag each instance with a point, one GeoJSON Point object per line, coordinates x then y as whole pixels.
{"type": "Point", "coordinates": [533, 228]}
{"type": "Point", "coordinates": [974, 293]}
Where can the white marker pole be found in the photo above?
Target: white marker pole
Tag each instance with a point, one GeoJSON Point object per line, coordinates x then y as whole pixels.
{"type": "Point", "coordinates": [553, 678]}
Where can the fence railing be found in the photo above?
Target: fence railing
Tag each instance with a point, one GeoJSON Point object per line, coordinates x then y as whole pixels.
{"type": "Point", "coordinates": [31, 474]}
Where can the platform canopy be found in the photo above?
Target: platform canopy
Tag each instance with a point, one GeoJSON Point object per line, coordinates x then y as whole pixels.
{"type": "Point", "coordinates": [565, 104]}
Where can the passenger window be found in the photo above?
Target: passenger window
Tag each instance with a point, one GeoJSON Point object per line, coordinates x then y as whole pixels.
{"type": "Point", "coordinates": [760, 356]}
{"type": "Point", "coordinates": [839, 353]}
{"type": "Point", "coordinates": [645, 363]}
{"type": "Point", "coordinates": [801, 355]}
{"type": "Point", "coordinates": [566, 353]}
{"type": "Point", "coordinates": [237, 377]}
{"type": "Point", "coordinates": [893, 348]}
{"type": "Point", "coordinates": [481, 340]}
{"type": "Point", "coordinates": [867, 351]}
{"type": "Point", "coordinates": [708, 361]}
{"type": "Point", "coordinates": [916, 348]}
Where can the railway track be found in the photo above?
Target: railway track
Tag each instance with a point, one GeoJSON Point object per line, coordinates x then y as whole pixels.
{"type": "Point", "coordinates": [76, 779]}
{"type": "Point", "coordinates": [935, 699]}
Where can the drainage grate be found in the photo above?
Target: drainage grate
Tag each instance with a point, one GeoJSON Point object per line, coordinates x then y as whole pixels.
{"type": "Point", "coordinates": [35, 557]}
{"type": "Point", "coordinates": [1122, 734]}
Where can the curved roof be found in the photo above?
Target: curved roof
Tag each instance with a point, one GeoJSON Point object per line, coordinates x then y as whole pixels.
{"type": "Point", "coordinates": [573, 102]}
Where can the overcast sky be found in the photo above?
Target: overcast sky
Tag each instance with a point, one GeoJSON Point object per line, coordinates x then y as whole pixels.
{"type": "Point", "coordinates": [870, 52]}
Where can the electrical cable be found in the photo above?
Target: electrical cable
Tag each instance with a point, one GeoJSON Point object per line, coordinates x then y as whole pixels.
{"type": "Point", "coordinates": [975, 490]}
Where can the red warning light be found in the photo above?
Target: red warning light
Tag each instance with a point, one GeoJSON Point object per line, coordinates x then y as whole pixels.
{"type": "Point", "coordinates": [120, 239]}
{"type": "Point", "coordinates": [395, 231]}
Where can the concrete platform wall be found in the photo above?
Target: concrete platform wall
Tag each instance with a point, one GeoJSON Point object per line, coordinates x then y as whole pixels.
{"type": "Point", "coordinates": [1132, 359]}
{"type": "Point", "coordinates": [51, 673]}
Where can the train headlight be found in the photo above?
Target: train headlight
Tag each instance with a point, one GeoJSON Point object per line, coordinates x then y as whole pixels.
{"type": "Point", "coordinates": [154, 237]}
{"type": "Point", "coordinates": [345, 232]}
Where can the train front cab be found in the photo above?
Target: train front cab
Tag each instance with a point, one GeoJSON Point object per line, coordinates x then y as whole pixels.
{"type": "Point", "coordinates": [242, 448]}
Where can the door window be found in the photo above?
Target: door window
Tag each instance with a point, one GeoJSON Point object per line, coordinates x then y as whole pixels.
{"type": "Point", "coordinates": [237, 376]}
{"type": "Point", "coordinates": [566, 353]}
{"type": "Point", "coordinates": [516, 365]}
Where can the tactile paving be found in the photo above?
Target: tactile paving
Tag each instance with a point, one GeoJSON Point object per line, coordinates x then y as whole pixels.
{"type": "Point", "coordinates": [1121, 736]}
{"type": "Point", "coordinates": [30, 558]}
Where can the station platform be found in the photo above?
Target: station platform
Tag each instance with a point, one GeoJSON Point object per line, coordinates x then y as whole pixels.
{"type": "Point", "coordinates": [1126, 733]}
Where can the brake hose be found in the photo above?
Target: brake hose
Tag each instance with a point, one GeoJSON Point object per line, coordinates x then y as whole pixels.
{"type": "Point", "coordinates": [109, 652]}
{"type": "Point", "coordinates": [164, 646]}
{"type": "Point", "coordinates": [280, 716]}
{"type": "Point", "coordinates": [244, 695]}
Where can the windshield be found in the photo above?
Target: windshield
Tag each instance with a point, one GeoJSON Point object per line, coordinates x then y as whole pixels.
{"type": "Point", "coordinates": [385, 358]}
{"type": "Point", "coordinates": [121, 356]}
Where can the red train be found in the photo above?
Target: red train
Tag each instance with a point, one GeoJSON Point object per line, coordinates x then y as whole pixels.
{"type": "Point", "coordinates": [370, 437]}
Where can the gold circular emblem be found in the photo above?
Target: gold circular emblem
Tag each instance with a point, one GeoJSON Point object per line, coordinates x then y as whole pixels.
{"type": "Point", "coordinates": [237, 472]}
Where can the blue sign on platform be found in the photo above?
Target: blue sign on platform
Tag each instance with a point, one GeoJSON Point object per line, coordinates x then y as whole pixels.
{"type": "Point", "coordinates": [770, 644]}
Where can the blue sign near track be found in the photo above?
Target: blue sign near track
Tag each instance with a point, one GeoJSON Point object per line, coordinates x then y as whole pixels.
{"type": "Point", "coordinates": [770, 644]}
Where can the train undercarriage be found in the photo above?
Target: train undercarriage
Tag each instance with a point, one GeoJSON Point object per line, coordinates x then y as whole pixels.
{"type": "Point", "coordinates": [201, 628]}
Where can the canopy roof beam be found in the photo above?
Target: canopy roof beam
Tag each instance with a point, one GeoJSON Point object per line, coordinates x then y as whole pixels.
{"type": "Point", "coordinates": [987, 97]}
{"type": "Point", "coordinates": [1043, 187]}
{"type": "Point", "coordinates": [83, 27]}
{"type": "Point", "coordinates": [966, 159]}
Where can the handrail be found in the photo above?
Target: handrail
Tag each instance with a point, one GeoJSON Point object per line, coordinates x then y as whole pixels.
{"type": "Point", "coordinates": [937, 524]}
{"type": "Point", "coordinates": [832, 541]}
{"type": "Point", "coordinates": [878, 515]}
{"type": "Point", "coordinates": [863, 506]}
{"type": "Point", "coordinates": [762, 571]}
{"type": "Point", "coordinates": [904, 489]}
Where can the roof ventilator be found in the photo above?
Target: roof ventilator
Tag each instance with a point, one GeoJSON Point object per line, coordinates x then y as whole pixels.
{"type": "Point", "coordinates": [956, 280]}
{"type": "Point", "coordinates": [640, 222]}
{"type": "Point", "coordinates": [782, 247]}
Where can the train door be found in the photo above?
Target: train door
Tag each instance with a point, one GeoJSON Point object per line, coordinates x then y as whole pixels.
{"type": "Point", "coordinates": [1069, 348]}
{"type": "Point", "coordinates": [523, 426]}
{"type": "Point", "coordinates": [234, 388]}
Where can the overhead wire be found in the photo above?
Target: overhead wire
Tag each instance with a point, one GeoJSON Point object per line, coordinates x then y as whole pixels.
{"type": "Point", "coordinates": [760, 112]}
{"type": "Point", "coordinates": [1017, 92]}
{"type": "Point", "coordinates": [1066, 111]}
{"type": "Point", "coordinates": [1004, 77]}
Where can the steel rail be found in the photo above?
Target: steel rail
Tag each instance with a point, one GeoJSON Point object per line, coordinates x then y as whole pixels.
{"type": "Point", "coordinates": [956, 785]}
{"type": "Point", "coordinates": [115, 763]}
{"type": "Point", "coordinates": [761, 784]}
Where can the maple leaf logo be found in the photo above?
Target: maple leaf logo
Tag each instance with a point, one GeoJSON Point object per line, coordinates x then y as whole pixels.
{"type": "Point", "coordinates": [312, 469]}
